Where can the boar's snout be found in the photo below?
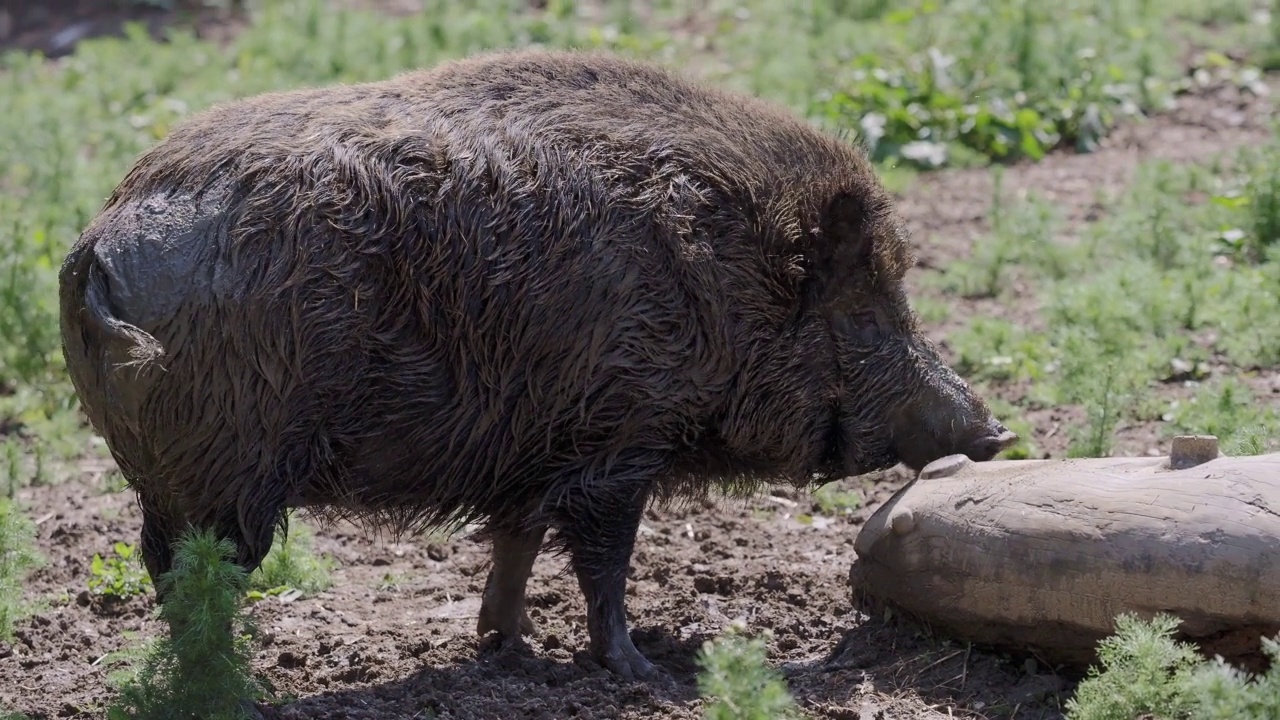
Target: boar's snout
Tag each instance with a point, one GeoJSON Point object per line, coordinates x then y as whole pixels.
{"type": "Point", "coordinates": [980, 443]}
{"type": "Point", "coordinates": [949, 419]}
{"type": "Point", "coordinates": [998, 438]}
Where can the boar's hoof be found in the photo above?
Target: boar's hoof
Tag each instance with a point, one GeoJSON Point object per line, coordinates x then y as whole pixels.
{"type": "Point", "coordinates": [632, 666]}
{"type": "Point", "coordinates": [944, 466]}
{"type": "Point", "coordinates": [488, 623]}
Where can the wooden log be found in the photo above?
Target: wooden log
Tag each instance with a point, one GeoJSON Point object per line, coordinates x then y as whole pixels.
{"type": "Point", "coordinates": [1041, 555]}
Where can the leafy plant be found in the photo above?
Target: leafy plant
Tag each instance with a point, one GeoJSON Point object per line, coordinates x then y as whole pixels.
{"type": "Point", "coordinates": [1004, 80]}
{"type": "Point", "coordinates": [120, 575]}
{"type": "Point", "coordinates": [202, 669]}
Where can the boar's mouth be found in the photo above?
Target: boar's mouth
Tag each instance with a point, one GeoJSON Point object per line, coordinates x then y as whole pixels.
{"type": "Point", "coordinates": [917, 450]}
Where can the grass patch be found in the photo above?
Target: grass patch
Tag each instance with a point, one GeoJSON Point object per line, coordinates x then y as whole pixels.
{"type": "Point", "coordinates": [291, 565]}
{"type": "Point", "coordinates": [1177, 288]}
{"type": "Point", "coordinates": [17, 557]}
{"type": "Point", "coordinates": [1144, 672]}
{"type": "Point", "coordinates": [203, 668]}
{"type": "Point", "coordinates": [738, 682]}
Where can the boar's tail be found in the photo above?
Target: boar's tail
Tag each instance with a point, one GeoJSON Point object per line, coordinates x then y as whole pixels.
{"type": "Point", "coordinates": [89, 318]}
{"type": "Point", "coordinates": [96, 341]}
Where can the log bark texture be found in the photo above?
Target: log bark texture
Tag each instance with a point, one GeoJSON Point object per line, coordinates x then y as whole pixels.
{"type": "Point", "coordinates": [1042, 555]}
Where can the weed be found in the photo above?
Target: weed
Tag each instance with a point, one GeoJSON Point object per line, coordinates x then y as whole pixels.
{"type": "Point", "coordinates": [1218, 690]}
{"type": "Point", "coordinates": [1094, 439]}
{"type": "Point", "coordinates": [17, 557]}
{"type": "Point", "coordinates": [1251, 440]}
{"type": "Point", "coordinates": [1160, 291]}
{"type": "Point", "coordinates": [290, 565]}
{"type": "Point", "coordinates": [999, 350]}
{"type": "Point", "coordinates": [391, 582]}
{"type": "Point", "coordinates": [203, 667]}
{"type": "Point", "coordinates": [113, 481]}
{"type": "Point", "coordinates": [120, 575]}
{"type": "Point", "coordinates": [832, 499]}
{"type": "Point", "coordinates": [739, 683]}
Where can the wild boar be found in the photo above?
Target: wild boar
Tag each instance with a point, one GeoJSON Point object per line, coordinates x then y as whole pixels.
{"type": "Point", "coordinates": [529, 290]}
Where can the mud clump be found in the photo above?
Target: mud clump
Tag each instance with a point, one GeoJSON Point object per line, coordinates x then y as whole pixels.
{"type": "Point", "coordinates": [529, 290]}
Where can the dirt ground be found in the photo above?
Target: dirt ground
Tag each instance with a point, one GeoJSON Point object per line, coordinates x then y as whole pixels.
{"type": "Point", "coordinates": [394, 637]}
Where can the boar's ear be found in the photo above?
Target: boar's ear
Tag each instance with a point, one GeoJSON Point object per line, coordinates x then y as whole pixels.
{"type": "Point", "coordinates": [845, 246]}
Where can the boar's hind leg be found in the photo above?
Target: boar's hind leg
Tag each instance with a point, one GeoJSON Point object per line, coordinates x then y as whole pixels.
{"type": "Point", "coordinates": [599, 525]}
{"type": "Point", "coordinates": [503, 606]}
{"type": "Point", "coordinates": [160, 530]}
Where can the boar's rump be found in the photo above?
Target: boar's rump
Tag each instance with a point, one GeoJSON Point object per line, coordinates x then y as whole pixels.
{"type": "Point", "coordinates": [529, 290]}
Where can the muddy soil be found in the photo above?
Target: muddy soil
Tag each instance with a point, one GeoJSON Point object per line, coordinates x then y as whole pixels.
{"type": "Point", "coordinates": [395, 635]}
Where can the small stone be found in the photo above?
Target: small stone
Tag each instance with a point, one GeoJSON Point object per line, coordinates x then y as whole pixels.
{"type": "Point", "coordinates": [438, 552]}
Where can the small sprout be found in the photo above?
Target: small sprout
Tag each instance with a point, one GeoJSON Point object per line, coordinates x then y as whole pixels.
{"type": "Point", "coordinates": [119, 576]}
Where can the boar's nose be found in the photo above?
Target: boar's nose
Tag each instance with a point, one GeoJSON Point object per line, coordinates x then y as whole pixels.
{"type": "Point", "coordinates": [1000, 438]}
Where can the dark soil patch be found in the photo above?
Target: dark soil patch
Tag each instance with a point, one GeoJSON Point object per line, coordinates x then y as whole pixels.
{"type": "Point", "coordinates": [395, 636]}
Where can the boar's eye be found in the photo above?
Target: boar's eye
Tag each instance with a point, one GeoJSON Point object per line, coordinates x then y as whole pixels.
{"type": "Point", "coordinates": [861, 327]}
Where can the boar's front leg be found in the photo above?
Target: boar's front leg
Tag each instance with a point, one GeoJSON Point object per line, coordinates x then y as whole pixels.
{"type": "Point", "coordinates": [598, 520]}
{"type": "Point", "coordinates": [502, 608]}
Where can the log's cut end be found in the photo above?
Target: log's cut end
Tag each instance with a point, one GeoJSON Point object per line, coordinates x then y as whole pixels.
{"type": "Point", "coordinates": [1042, 555]}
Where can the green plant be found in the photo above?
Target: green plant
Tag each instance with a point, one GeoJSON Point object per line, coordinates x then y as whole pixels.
{"type": "Point", "coordinates": [1144, 672]}
{"type": "Point", "coordinates": [738, 682]}
{"type": "Point", "coordinates": [202, 668]}
{"type": "Point", "coordinates": [1141, 669]}
{"type": "Point", "coordinates": [832, 499]}
{"type": "Point", "coordinates": [290, 565]}
{"type": "Point", "coordinates": [120, 575]}
{"type": "Point", "coordinates": [17, 557]}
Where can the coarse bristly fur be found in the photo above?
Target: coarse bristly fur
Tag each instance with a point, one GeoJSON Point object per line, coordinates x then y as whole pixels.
{"type": "Point", "coordinates": [529, 290]}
